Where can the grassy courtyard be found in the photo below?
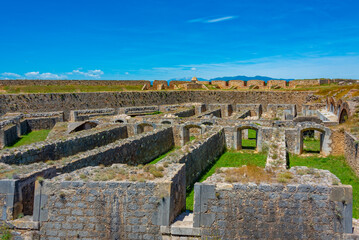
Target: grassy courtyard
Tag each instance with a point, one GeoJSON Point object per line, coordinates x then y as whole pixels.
{"type": "Point", "coordinates": [251, 142]}
{"type": "Point", "coordinates": [337, 166]}
{"type": "Point", "coordinates": [31, 137]}
{"type": "Point", "coordinates": [311, 145]}
{"type": "Point", "coordinates": [228, 159]}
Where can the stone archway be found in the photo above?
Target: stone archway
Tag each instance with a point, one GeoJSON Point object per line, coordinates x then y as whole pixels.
{"type": "Point", "coordinates": [191, 129]}
{"type": "Point", "coordinates": [238, 135]}
{"type": "Point", "coordinates": [325, 137]}
{"type": "Point", "coordinates": [144, 127]}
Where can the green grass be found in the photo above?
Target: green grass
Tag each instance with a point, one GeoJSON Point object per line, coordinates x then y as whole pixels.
{"type": "Point", "coordinates": [31, 137]}
{"type": "Point", "coordinates": [337, 166]}
{"type": "Point", "coordinates": [251, 142]}
{"type": "Point", "coordinates": [311, 145]}
{"type": "Point", "coordinates": [68, 88]}
{"type": "Point", "coordinates": [228, 159]}
{"type": "Point", "coordinates": [153, 113]}
{"type": "Point", "coordinates": [163, 156]}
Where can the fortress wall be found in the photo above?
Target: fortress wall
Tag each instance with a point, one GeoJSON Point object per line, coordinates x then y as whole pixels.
{"type": "Point", "coordinates": [54, 150]}
{"type": "Point", "coordinates": [272, 211]}
{"type": "Point", "coordinates": [351, 151]}
{"type": "Point", "coordinates": [294, 83]}
{"type": "Point", "coordinates": [280, 83]}
{"type": "Point", "coordinates": [75, 101]}
{"type": "Point", "coordinates": [75, 82]}
{"type": "Point", "coordinates": [258, 83]}
{"type": "Point", "coordinates": [236, 83]}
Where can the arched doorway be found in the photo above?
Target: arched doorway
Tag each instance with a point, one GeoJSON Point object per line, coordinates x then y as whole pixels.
{"type": "Point", "coordinates": [343, 117]}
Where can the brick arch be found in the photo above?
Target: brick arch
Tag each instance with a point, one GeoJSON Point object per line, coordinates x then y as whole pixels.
{"type": "Point", "coordinates": [331, 104]}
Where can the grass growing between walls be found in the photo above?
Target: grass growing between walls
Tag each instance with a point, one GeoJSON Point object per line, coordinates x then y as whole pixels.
{"type": "Point", "coordinates": [163, 156]}
{"type": "Point", "coordinates": [229, 159]}
{"type": "Point", "coordinates": [251, 142]}
{"type": "Point", "coordinates": [67, 88]}
{"type": "Point", "coordinates": [311, 145]}
{"type": "Point", "coordinates": [31, 137]}
{"type": "Point", "coordinates": [337, 166]}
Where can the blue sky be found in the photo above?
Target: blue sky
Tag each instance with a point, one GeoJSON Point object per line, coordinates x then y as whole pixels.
{"type": "Point", "coordinates": [174, 39]}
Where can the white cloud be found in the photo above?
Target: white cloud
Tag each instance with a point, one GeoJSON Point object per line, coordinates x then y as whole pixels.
{"type": "Point", "coordinates": [220, 19]}
{"type": "Point", "coordinates": [127, 73]}
{"type": "Point", "coordinates": [90, 73]}
{"type": "Point", "coordinates": [211, 20]}
{"type": "Point", "coordinates": [193, 69]}
{"type": "Point", "coordinates": [38, 75]}
{"type": "Point", "coordinates": [11, 75]}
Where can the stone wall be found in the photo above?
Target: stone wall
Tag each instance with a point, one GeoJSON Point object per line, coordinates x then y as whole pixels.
{"type": "Point", "coordinates": [338, 142]}
{"type": "Point", "coordinates": [258, 83]}
{"type": "Point", "coordinates": [351, 151]}
{"type": "Point", "coordinates": [53, 150]}
{"type": "Point", "coordinates": [279, 83]}
{"type": "Point", "coordinates": [74, 82]}
{"type": "Point", "coordinates": [73, 101]}
{"type": "Point", "coordinates": [295, 83]}
{"type": "Point", "coordinates": [8, 136]}
{"type": "Point", "coordinates": [219, 83]}
{"type": "Point", "coordinates": [139, 149]}
{"type": "Point", "coordinates": [272, 211]}
{"type": "Point", "coordinates": [109, 210]}
{"type": "Point", "coordinates": [199, 155]}
{"type": "Point", "coordinates": [237, 83]}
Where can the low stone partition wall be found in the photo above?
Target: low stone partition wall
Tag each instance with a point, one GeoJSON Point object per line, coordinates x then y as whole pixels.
{"type": "Point", "coordinates": [226, 109]}
{"type": "Point", "coordinates": [53, 150]}
{"type": "Point", "coordinates": [199, 155]}
{"type": "Point", "coordinates": [111, 209]}
{"type": "Point", "coordinates": [82, 115]}
{"type": "Point", "coordinates": [211, 113]}
{"type": "Point", "coordinates": [295, 209]}
{"type": "Point", "coordinates": [351, 151]}
{"type": "Point", "coordinates": [138, 110]}
{"type": "Point", "coordinates": [8, 135]}
{"type": "Point", "coordinates": [243, 115]}
{"type": "Point", "coordinates": [186, 113]}
{"type": "Point", "coordinates": [290, 108]}
{"type": "Point", "coordinates": [139, 149]}
{"type": "Point", "coordinates": [256, 109]}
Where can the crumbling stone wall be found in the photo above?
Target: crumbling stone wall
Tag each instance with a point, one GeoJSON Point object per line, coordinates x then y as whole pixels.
{"type": "Point", "coordinates": [136, 150]}
{"type": "Point", "coordinates": [57, 149]}
{"type": "Point", "coordinates": [351, 151]}
{"type": "Point", "coordinates": [254, 211]}
{"type": "Point", "coordinates": [8, 135]}
{"type": "Point", "coordinates": [220, 83]}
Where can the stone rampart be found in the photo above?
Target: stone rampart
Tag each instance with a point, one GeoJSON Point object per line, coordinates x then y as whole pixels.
{"type": "Point", "coordinates": [258, 83]}
{"type": "Point", "coordinates": [237, 83]}
{"type": "Point", "coordinates": [295, 83]}
{"type": "Point", "coordinates": [53, 150]}
{"type": "Point", "coordinates": [73, 101]}
{"type": "Point", "coordinates": [276, 84]}
{"type": "Point", "coordinates": [75, 82]}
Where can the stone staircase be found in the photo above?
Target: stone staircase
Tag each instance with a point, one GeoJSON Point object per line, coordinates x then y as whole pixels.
{"type": "Point", "coordinates": [182, 228]}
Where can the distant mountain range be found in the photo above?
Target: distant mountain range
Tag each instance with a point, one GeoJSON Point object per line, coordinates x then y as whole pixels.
{"type": "Point", "coordinates": [244, 78]}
